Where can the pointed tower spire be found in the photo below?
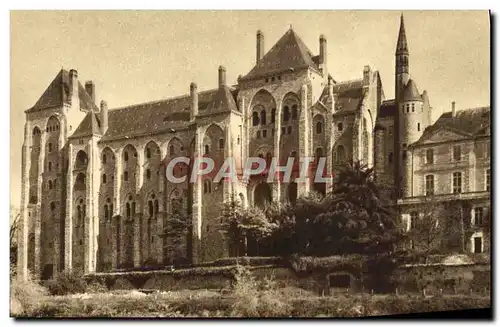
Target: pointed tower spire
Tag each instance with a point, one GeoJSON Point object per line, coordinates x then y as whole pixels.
{"type": "Point", "coordinates": [402, 47]}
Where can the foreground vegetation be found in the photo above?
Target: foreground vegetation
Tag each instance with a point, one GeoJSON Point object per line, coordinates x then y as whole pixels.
{"type": "Point", "coordinates": [247, 298]}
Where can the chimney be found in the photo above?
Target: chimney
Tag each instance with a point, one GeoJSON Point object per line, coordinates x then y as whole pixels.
{"type": "Point", "coordinates": [73, 84]}
{"type": "Point", "coordinates": [104, 116]}
{"type": "Point", "coordinates": [322, 49]}
{"type": "Point", "coordinates": [331, 98]}
{"type": "Point", "coordinates": [222, 76]}
{"type": "Point", "coordinates": [453, 111]}
{"type": "Point", "coordinates": [366, 75]}
{"type": "Point", "coordinates": [194, 100]}
{"type": "Point", "coordinates": [90, 88]}
{"type": "Point", "coordinates": [260, 46]}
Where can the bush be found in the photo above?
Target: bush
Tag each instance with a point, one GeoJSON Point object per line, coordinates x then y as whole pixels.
{"type": "Point", "coordinates": [67, 283]}
{"type": "Point", "coordinates": [96, 288]}
{"type": "Point", "coordinates": [25, 296]}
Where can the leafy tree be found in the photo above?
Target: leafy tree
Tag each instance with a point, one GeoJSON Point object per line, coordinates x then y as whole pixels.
{"type": "Point", "coordinates": [239, 224]}
{"type": "Point", "coordinates": [176, 232]}
{"type": "Point", "coordinates": [15, 216]}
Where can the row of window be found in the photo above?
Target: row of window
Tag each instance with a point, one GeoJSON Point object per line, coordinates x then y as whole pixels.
{"type": "Point", "coordinates": [407, 107]}
{"type": "Point", "coordinates": [477, 216]}
{"type": "Point", "coordinates": [456, 154]}
{"type": "Point", "coordinates": [273, 78]}
{"type": "Point", "coordinates": [456, 183]}
{"type": "Point", "coordinates": [261, 118]}
{"type": "Point", "coordinates": [221, 146]}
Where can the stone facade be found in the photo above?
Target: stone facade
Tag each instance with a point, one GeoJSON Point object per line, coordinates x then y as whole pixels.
{"type": "Point", "coordinates": [95, 196]}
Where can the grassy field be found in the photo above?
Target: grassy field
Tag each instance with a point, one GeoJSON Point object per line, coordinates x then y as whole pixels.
{"type": "Point", "coordinates": [275, 303]}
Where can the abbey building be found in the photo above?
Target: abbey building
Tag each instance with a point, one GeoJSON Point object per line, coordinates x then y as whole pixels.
{"type": "Point", "coordinates": [95, 196]}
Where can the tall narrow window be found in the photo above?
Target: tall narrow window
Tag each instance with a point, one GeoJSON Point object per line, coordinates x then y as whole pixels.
{"type": "Point", "coordinates": [171, 150]}
{"type": "Point", "coordinates": [319, 128]}
{"type": "Point", "coordinates": [418, 127]}
{"type": "Point", "coordinates": [50, 166]}
{"type": "Point", "coordinates": [289, 129]}
{"type": "Point", "coordinates": [457, 182]}
{"type": "Point", "coordinates": [478, 216]}
{"type": "Point", "coordinates": [457, 153]}
{"type": "Point", "coordinates": [294, 112]}
{"type": "Point", "coordinates": [340, 127]}
{"type": "Point", "coordinates": [125, 176]}
{"type": "Point", "coordinates": [391, 157]}
{"type": "Point", "coordinates": [125, 156]}
{"type": "Point", "coordinates": [413, 219]}
{"type": "Point", "coordinates": [148, 174]}
{"type": "Point", "coordinates": [487, 181]}
{"type": "Point", "coordinates": [148, 153]}
{"type": "Point", "coordinates": [104, 159]}
{"type": "Point", "coordinates": [207, 149]}
{"type": "Point", "coordinates": [255, 118]}
{"type": "Point", "coordinates": [104, 178]}
{"type": "Point", "coordinates": [50, 147]}
{"type": "Point", "coordinates": [273, 115]}
{"type": "Point", "coordinates": [150, 208]}
{"type": "Point", "coordinates": [221, 144]}
{"type": "Point", "coordinates": [286, 113]}
{"type": "Point", "coordinates": [429, 185]}
{"type": "Point", "coordinates": [263, 117]}
{"type": "Point", "coordinates": [429, 156]}
{"type": "Point", "coordinates": [412, 107]}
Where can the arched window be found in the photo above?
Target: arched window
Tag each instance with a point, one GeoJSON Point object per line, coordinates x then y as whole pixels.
{"type": "Point", "coordinates": [50, 147]}
{"type": "Point", "coordinates": [150, 208]}
{"type": "Point", "coordinates": [221, 144]}
{"type": "Point", "coordinates": [104, 178]}
{"type": "Point", "coordinates": [125, 155]}
{"type": "Point", "coordinates": [294, 111]}
{"type": "Point", "coordinates": [263, 117]}
{"type": "Point", "coordinates": [50, 166]}
{"type": "Point", "coordinates": [128, 210]}
{"type": "Point", "coordinates": [340, 155]}
{"type": "Point", "coordinates": [50, 185]}
{"type": "Point", "coordinates": [319, 127]}
{"type": "Point", "coordinates": [171, 150]}
{"type": "Point", "coordinates": [255, 118]}
{"type": "Point", "coordinates": [286, 113]}
{"type": "Point", "coordinates": [148, 174]}
{"type": "Point", "coordinates": [148, 153]}
{"type": "Point", "coordinates": [207, 149]}
{"type": "Point", "coordinates": [273, 115]}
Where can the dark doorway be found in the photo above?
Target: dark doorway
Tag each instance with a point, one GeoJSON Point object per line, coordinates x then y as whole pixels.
{"type": "Point", "coordinates": [478, 246]}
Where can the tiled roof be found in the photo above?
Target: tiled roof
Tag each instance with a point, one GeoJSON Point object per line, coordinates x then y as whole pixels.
{"type": "Point", "coordinates": [469, 122]}
{"type": "Point", "coordinates": [223, 100]}
{"type": "Point", "coordinates": [89, 126]}
{"type": "Point", "coordinates": [58, 92]}
{"type": "Point", "coordinates": [350, 95]}
{"type": "Point", "coordinates": [154, 117]}
{"type": "Point", "coordinates": [387, 109]}
{"type": "Point", "coordinates": [410, 93]}
{"type": "Point", "coordinates": [289, 52]}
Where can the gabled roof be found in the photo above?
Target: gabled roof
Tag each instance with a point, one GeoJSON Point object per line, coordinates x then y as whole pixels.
{"type": "Point", "coordinates": [58, 93]}
{"type": "Point", "coordinates": [349, 95]}
{"type": "Point", "coordinates": [289, 52]}
{"type": "Point", "coordinates": [387, 109]}
{"type": "Point", "coordinates": [223, 100]}
{"type": "Point", "coordinates": [90, 125]}
{"type": "Point", "coordinates": [410, 92]}
{"type": "Point", "coordinates": [154, 117]}
{"type": "Point", "coordinates": [469, 123]}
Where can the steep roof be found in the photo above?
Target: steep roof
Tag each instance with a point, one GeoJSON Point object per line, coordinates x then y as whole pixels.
{"type": "Point", "coordinates": [58, 93]}
{"type": "Point", "coordinates": [402, 46]}
{"type": "Point", "coordinates": [469, 122]}
{"type": "Point", "coordinates": [223, 100]}
{"type": "Point", "coordinates": [89, 126]}
{"type": "Point", "coordinates": [387, 109]}
{"type": "Point", "coordinates": [349, 95]}
{"type": "Point", "coordinates": [289, 52]}
{"type": "Point", "coordinates": [156, 116]}
{"type": "Point", "coordinates": [410, 92]}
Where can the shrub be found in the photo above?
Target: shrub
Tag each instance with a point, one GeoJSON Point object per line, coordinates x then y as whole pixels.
{"type": "Point", "coordinates": [67, 283]}
{"type": "Point", "coordinates": [25, 296]}
{"type": "Point", "coordinates": [96, 287]}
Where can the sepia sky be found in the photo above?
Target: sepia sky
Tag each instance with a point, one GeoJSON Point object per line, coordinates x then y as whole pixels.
{"type": "Point", "coordinates": [138, 56]}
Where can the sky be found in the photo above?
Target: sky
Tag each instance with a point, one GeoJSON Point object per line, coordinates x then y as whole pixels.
{"type": "Point", "coordinates": [139, 56]}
